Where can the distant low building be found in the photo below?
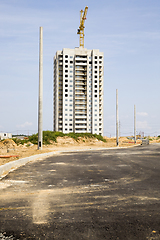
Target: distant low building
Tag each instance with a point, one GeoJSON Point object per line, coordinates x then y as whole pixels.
{"type": "Point", "coordinates": [5, 136]}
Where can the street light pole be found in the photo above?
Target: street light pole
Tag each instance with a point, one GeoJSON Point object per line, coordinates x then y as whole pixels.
{"type": "Point", "coordinates": [40, 105]}
{"type": "Point", "coordinates": [135, 124]}
{"type": "Point", "coordinates": [117, 130]}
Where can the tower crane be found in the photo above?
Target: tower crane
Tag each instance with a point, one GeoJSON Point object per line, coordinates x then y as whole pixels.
{"type": "Point", "coordinates": [80, 30]}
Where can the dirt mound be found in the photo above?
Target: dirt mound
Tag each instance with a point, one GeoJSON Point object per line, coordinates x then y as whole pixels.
{"type": "Point", "coordinates": [65, 140]}
{"type": "Point", "coordinates": [8, 143]}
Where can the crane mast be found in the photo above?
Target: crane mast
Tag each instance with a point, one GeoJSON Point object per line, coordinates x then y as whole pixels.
{"type": "Point", "coordinates": [81, 26]}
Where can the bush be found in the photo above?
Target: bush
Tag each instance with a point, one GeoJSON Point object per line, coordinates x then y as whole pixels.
{"type": "Point", "coordinates": [49, 136]}
{"type": "Point", "coordinates": [19, 141]}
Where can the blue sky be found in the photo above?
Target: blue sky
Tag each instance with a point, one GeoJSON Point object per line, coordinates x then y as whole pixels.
{"type": "Point", "coordinates": [127, 31]}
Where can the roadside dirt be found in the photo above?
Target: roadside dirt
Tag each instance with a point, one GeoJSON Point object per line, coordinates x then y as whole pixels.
{"type": "Point", "coordinates": [8, 147]}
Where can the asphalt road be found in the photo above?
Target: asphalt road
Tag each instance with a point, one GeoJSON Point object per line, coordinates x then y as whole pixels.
{"type": "Point", "coordinates": [107, 194]}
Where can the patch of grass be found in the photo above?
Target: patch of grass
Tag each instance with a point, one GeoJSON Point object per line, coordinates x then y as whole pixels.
{"type": "Point", "coordinates": [49, 136]}
{"type": "Point", "coordinates": [19, 141]}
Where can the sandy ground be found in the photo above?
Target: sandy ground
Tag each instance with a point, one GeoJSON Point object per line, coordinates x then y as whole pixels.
{"type": "Point", "coordinates": [8, 147]}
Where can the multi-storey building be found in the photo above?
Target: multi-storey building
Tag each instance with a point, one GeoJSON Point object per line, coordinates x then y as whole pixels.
{"type": "Point", "coordinates": [78, 91]}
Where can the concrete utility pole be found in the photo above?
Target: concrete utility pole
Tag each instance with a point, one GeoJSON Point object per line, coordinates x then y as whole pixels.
{"type": "Point", "coordinates": [40, 105]}
{"type": "Point", "coordinates": [117, 131]}
{"type": "Point", "coordinates": [134, 123]}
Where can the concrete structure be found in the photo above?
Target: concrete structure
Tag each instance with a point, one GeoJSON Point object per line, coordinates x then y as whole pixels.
{"type": "Point", "coordinates": [78, 91]}
{"type": "Point", "coordinates": [5, 136]}
{"type": "Point", "coordinates": [40, 102]}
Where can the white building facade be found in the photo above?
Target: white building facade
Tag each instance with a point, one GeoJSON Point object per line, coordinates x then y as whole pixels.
{"type": "Point", "coordinates": [78, 91]}
{"type": "Point", "coordinates": [5, 136]}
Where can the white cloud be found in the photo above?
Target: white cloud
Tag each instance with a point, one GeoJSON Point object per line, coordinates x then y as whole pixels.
{"type": "Point", "coordinates": [142, 125]}
{"type": "Point", "coordinates": [26, 124]}
{"type": "Point", "coordinates": [143, 114]}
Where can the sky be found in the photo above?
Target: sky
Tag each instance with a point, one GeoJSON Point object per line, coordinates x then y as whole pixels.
{"type": "Point", "coordinates": [127, 31]}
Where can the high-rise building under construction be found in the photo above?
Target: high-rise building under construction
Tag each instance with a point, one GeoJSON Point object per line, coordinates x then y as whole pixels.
{"type": "Point", "coordinates": [78, 88]}
{"type": "Point", "coordinates": [78, 91]}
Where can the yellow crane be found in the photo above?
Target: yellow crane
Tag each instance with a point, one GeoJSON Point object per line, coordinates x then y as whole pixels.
{"type": "Point", "coordinates": [81, 26]}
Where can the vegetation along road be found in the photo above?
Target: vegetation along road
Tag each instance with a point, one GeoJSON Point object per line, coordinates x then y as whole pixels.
{"type": "Point", "coordinates": [105, 194]}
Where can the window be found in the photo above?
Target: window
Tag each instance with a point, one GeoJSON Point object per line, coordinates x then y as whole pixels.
{"type": "Point", "coordinates": [66, 109]}
{"type": "Point", "coordinates": [66, 61]}
{"type": "Point", "coordinates": [95, 76]}
{"type": "Point", "coordinates": [66, 95]}
{"type": "Point", "coordinates": [95, 129]}
{"type": "Point", "coordinates": [70, 100]}
{"type": "Point", "coordinates": [66, 75]}
{"type": "Point", "coordinates": [66, 56]}
{"type": "Point", "coordinates": [95, 62]}
{"type": "Point", "coordinates": [66, 99]}
{"type": "Point", "coordinates": [95, 71]}
{"type": "Point", "coordinates": [71, 56]}
{"type": "Point", "coordinates": [100, 57]}
{"type": "Point", "coordinates": [71, 95]}
{"type": "Point", "coordinates": [70, 115]}
{"type": "Point", "coordinates": [95, 120]}
{"type": "Point", "coordinates": [71, 61]}
{"type": "Point", "coordinates": [70, 110]}
{"type": "Point", "coordinates": [65, 124]}
{"type": "Point", "coordinates": [71, 85]}
{"type": "Point", "coordinates": [95, 57]}
{"type": "Point", "coordinates": [70, 105]}
{"type": "Point", "coordinates": [71, 71]}
{"type": "Point", "coordinates": [70, 124]}
{"type": "Point", "coordinates": [66, 80]}
{"type": "Point", "coordinates": [95, 91]}
{"type": "Point", "coordinates": [95, 115]}
{"type": "Point", "coordinates": [66, 85]}
{"type": "Point", "coordinates": [66, 114]}
{"type": "Point", "coordinates": [66, 71]}
{"type": "Point", "coordinates": [66, 104]}
{"type": "Point", "coordinates": [95, 81]}
{"type": "Point", "coordinates": [70, 119]}
{"type": "Point", "coordinates": [95, 66]}
{"type": "Point", "coordinates": [71, 66]}
{"type": "Point", "coordinates": [95, 125]}
{"type": "Point", "coordinates": [66, 66]}
{"type": "Point", "coordinates": [71, 90]}
{"type": "Point", "coordinates": [66, 90]}
{"type": "Point", "coordinates": [66, 119]}
{"type": "Point", "coordinates": [95, 95]}
{"type": "Point", "coordinates": [95, 86]}
{"type": "Point", "coordinates": [71, 80]}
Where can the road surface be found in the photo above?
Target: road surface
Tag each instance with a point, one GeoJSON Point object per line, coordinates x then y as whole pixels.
{"type": "Point", "coordinates": [105, 194]}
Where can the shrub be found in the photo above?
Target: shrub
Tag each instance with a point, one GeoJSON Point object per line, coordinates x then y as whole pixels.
{"type": "Point", "coordinates": [49, 136]}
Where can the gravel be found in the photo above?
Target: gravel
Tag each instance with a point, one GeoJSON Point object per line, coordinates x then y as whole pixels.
{"type": "Point", "coordinates": [4, 237]}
